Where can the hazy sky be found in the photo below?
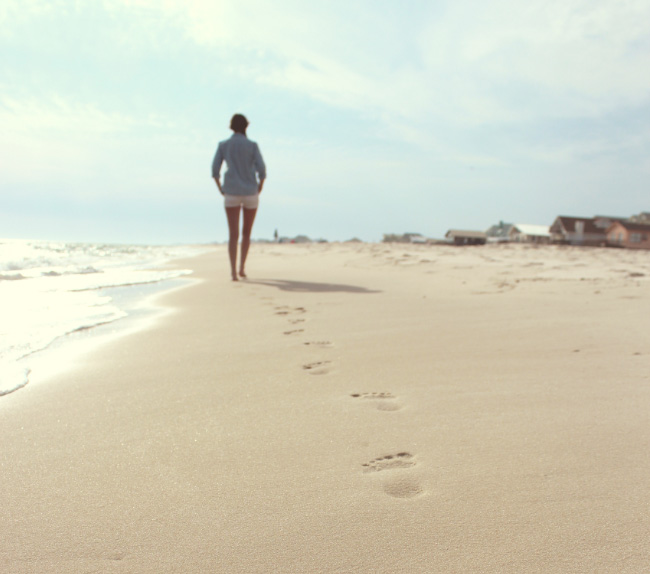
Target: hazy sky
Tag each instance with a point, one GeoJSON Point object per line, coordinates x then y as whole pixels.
{"type": "Point", "coordinates": [373, 116]}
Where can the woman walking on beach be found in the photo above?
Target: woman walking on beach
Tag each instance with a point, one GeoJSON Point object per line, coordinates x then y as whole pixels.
{"type": "Point", "coordinates": [242, 185]}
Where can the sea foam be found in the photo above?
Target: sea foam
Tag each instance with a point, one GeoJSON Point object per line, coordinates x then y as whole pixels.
{"type": "Point", "coordinates": [51, 289]}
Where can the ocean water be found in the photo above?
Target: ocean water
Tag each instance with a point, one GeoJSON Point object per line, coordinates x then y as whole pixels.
{"type": "Point", "coordinates": [50, 290]}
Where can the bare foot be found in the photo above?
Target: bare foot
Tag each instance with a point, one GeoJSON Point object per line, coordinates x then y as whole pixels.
{"type": "Point", "coordinates": [242, 274]}
{"type": "Point", "coordinates": [234, 277]}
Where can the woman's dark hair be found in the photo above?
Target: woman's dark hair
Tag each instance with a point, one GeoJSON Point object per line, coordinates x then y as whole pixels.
{"type": "Point", "coordinates": [239, 123]}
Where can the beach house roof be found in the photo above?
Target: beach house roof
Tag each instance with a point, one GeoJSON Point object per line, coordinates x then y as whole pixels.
{"type": "Point", "coordinates": [643, 217]}
{"type": "Point", "coordinates": [533, 230]}
{"type": "Point", "coordinates": [570, 224]}
{"type": "Point", "coordinates": [633, 226]}
{"type": "Point", "coordinates": [604, 221]}
{"type": "Point", "coordinates": [500, 230]}
{"type": "Point", "coordinates": [466, 233]}
{"type": "Point", "coordinates": [578, 231]}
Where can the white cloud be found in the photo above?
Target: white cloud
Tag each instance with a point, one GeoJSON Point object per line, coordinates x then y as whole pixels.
{"type": "Point", "coordinates": [69, 145]}
{"type": "Point", "coordinates": [416, 74]}
{"type": "Point", "coordinates": [468, 63]}
{"type": "Point", "coordinates": [20, 10]}
{"type": "Point", "coordinates": [579, 55]}
{"type": "Point", "coordinates": [59, 116]}
{"type": "Point", "coordinates": [41, 141]}
{"type": "Point", "coordinates": [605, 146]}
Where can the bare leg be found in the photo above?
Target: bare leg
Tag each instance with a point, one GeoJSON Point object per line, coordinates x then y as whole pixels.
{"type": "Point", "coordinates": [249, 218]}
{"type": "Point", "coordinates": [232, 213]}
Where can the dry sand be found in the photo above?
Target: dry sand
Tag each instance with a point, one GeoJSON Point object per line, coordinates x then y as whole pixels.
{"type": "Point", "coordinates": [350, 408]}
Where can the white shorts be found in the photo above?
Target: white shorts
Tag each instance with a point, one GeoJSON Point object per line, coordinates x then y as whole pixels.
{"type": "Point", "coordinates": [246, 201]}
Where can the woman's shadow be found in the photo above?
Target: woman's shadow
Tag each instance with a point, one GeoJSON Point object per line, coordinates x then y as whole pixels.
{"type": "Point", "coordinates": [310, 287]}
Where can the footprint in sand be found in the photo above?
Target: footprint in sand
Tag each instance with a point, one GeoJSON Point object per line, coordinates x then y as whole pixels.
{"type": "Point", "coordinates": [399, 484]}
{"type": "Point", "coordinates": [382, 401]}
{"type": "Point", "coordinates": [117, 556]}
{"type": "Point", "coordinates": [403, 487]}
{"type": "Point", "coordinates": [389, 462]}
{"type": "Point", "coordinates": [286, 310]}
{"type": "Point", "coordinates": [293, 331]}
{"type": "Point", "coordinates": [317, 368]}
{"type": "Point", "coordinates": [295, 321]}
{"type": "Point", "coordinates": [318, 344]}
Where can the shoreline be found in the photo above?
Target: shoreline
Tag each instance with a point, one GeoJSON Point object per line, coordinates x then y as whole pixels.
{"type": "Point", "coordinates": [140, 302]}
{"type": "Point", "coordinates": [354, 408]}
{"type": "Point", "coordinates": [61, 356]}
{"type": "Point", "coordinates": [55, 293]}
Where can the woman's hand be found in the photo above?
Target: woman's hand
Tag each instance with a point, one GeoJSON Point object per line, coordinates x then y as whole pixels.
{"type": "Point", "coordinates": [218, 185]}
{"type": "Point", "coordinates": [260, 186]}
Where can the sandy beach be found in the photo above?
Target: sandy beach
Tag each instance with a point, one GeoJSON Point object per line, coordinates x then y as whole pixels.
{"type": "Point", "coordinates": [362, 408]}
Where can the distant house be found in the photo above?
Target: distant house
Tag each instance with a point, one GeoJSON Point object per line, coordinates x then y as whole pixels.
{"type": "Point", "coordinates": [643, 217]}
{"type": "Point", "coordinates": [604, 221]}
{"type": "Point", "coordinates": [527, 233]}
{"type": "Point", "coordinates": [404, 238]}
{"type": "Point", "coordinates": [296, 239]}
{"type": "Point", "coordinates": [630, 235]}
{"type": "Point", "coordinates": [499, 232]}
{"type": "Point", "coordinates": [462, 237]}
{"type": "Point", "coordinates": [577, 231]}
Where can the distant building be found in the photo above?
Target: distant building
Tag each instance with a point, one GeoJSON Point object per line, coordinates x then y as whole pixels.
{"type": "Point", "coordinates": [464, 237]}
{"type": "Point", "coordinates": [577, 231]}
{"type": "Point", "coordinates": [527, 233]}
{"type": "Point", "coordinates": [643, 217]}
{"type": "Point", "coordinates": [296, 239]}
{"type": "Point", "coordinates": [499, 232]}
{"type": "Point", "coordinates": [630, 235]}
{"type": "Point", "coordinates": [404, 238]}
{"type": "Point", "coordinates": [604, 221]}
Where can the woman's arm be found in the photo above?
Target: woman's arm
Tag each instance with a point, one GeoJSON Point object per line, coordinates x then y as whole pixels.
{"type": "Point", "coordinates": [260, 168]}
{"type": "Point", "coordinates": [216, 167]}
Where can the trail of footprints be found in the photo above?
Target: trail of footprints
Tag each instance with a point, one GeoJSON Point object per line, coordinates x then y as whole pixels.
{"type": "Point", "coordinates": [398, 482]}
